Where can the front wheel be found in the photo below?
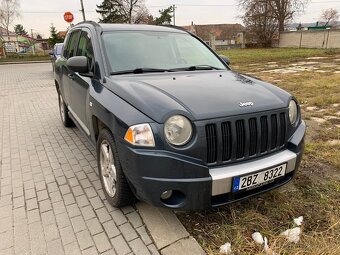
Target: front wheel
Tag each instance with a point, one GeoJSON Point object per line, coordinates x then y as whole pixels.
{"type": "Point", "coordinates": [116, 188]}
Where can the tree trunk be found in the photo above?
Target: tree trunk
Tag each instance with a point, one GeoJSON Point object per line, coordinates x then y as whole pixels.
{"type": "Point", "coordinates": [130, 11]}
{"type": "Point", "coordinates": [281, 25]}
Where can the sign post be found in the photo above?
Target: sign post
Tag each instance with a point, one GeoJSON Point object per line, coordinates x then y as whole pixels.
{"type": "Point", "coordinates": [68, 17]}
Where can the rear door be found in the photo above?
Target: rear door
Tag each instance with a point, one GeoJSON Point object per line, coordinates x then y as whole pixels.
{"type": "Point", "coordinates": [79, 88]}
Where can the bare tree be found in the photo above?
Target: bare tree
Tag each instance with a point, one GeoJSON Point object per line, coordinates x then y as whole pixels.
{"type": "Point", "coordinates": [282, 11]}
{"type": "Point", "coordinates": [122, 11]}
{"type": "Point", "coordinates": [285, 10]}
{"type": "Point", "coordinates": [330, 16]}
{"type": "Point", "coordinates": [9, 10]}
{"type": "Point", "coordinates": [259, 20]}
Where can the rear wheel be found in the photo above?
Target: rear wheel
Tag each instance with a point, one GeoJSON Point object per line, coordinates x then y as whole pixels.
{"type": "Point", "coordinates": [67, 121]}
{"type": "Point", "coordinates": [114, 182]}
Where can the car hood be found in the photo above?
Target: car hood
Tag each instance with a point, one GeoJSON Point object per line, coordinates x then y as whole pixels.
{"type": "Point", "coordinates": [198, 95]}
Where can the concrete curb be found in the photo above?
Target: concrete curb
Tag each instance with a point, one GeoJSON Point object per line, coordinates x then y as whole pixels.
{"type": "Point", "coordinates": [167, 232]}
{"type": "Point", "coordinates": [25, 62]}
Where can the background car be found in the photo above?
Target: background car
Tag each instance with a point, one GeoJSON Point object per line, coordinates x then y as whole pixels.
{"type": "Point", "coordinates": [56, 53]}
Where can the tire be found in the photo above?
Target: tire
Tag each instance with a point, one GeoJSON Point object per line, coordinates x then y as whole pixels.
{"type": "Point", "coordinates": [67, 121]}
{"type": "Point", "coordinates": [115, 186]}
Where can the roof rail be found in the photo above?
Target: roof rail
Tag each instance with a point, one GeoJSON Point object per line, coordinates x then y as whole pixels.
{"type": "Point", "coordinates": [174, 27]}
{"type": "Point", "coordinates": [88, 22]}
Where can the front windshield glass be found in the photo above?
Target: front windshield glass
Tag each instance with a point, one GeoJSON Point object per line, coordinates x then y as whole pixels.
{"type": "Point", "coordinates": [130, 50]}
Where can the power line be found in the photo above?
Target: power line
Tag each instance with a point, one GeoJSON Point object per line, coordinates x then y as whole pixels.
{"type": "Point", "coordinates": [177, 5]}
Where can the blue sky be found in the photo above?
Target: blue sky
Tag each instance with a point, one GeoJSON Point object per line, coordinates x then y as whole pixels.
{"type": "Point", "coordinates": [39, 14]}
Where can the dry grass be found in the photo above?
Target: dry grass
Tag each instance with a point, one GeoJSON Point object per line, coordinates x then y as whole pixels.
{"type": "Point", "coordinates": [314, 193]}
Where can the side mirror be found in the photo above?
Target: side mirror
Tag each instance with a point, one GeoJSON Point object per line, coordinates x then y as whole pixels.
{"type": "Point", "coordinates": [225, 59]}
{"type": "Point", "coordinates": [78, 64]}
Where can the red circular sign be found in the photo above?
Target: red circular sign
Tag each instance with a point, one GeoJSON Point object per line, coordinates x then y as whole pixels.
{"type": "Point", "coordinates": [68, 17]}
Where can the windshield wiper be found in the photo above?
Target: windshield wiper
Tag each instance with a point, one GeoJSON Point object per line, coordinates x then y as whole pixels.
{"type": "Point", "coordinates": [142, 70]}
{"type": "Point", "coordinates": [197, 68]}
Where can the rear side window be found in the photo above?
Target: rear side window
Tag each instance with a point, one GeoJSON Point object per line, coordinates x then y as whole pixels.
{"type": "Point", "coordinates": [85, 48]}
{"type": "Point", "coordinates": [72, 42]}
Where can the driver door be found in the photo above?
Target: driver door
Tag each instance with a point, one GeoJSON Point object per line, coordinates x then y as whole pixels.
{"type": "Point", "coordinates": [80, 86]}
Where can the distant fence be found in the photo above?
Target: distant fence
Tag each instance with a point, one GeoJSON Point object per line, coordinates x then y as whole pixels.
{"type": "Point", "coordinates": [326, 39]}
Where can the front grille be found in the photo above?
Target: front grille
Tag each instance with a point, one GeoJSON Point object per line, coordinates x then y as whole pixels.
{"type": "Point", "coordinates": [239, 139]}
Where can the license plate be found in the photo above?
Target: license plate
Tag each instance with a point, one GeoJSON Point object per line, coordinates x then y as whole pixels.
{"type": "Point", "coordinates": [258, 179]}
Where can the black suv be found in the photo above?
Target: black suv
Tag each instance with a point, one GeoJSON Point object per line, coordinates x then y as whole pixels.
{"type": "Point", "coordinates": [172, 124]}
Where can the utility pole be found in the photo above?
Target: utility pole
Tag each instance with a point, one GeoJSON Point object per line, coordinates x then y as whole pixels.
{"type": "Point", "coordinates": [82, 9]}
{"type": "Point", "coordinates": [33, 45]}
{"type": "Point", "coordinates": [174, 16]}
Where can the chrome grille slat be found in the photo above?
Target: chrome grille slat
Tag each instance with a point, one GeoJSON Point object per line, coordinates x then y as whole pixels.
{"type": "Point", "coordinates": [273, 120]}
{"type": "Point", "coordinates": [211, 143]}
{"type": "Point", "coordinates": [264, 133]}
{"type": "Point", "coordinates": [282, 128]}
{"type": "Point", "coordinates": [226, 141]}
{"type": "Point", "coordinates": [240, 139]}
{"type": "Point", "coordinates": [253, 136]}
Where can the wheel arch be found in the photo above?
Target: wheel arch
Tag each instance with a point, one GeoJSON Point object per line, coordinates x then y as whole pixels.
{"type": "Point", "coordinates": [98, 125]}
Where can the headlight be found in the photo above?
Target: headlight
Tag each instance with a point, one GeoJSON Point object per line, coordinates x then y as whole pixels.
{"type": "Point", "coordinates": [178, 130]}
{"type": "Point", "coordinates": [293, 112]}
{"type": "Point", "coordinates": [140, 135]}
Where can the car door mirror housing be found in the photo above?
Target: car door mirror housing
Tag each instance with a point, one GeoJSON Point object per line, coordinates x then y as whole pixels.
{"type": "Point", "coordinates": [225, 59]}
{"type": "Point", "coordinates": [78, 64]}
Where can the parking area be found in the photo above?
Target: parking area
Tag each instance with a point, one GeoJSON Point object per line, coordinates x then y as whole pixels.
{"type": "Point", "coordinates": [51, 197]}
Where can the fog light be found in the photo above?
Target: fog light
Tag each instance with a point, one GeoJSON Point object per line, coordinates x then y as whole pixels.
{"type": "Point", "coordinates": [166, 194]}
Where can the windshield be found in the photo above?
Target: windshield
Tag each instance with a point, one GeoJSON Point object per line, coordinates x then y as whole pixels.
{"type": "Point", "coordinates": [130, 50]}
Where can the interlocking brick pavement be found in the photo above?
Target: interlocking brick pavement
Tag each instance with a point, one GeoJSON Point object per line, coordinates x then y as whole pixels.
{"type": "Point", "coordinates": [51, 199]}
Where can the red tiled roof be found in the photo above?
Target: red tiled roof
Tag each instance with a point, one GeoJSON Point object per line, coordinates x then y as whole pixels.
{"type": "Point", "coordinates": [62, 34]}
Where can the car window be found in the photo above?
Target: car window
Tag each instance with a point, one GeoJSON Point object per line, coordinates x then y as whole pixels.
{"type": "Point", "coordinates": [85, 48]}
{"type": "Point", "coordinates": [186, 53]}
{"type": "Point", "coordinates": [128, 50]}
{"type": "Point", "coordinates": [72, 42]}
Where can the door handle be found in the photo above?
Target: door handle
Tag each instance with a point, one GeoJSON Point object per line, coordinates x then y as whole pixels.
{"type": "Point", "coordinates": [71, 76]}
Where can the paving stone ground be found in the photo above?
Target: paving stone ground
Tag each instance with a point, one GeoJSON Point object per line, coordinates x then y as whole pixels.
{"type": "Point", "coordinates": [51, 199]}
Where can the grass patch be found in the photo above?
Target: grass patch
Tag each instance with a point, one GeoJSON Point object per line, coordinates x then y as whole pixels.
{"type": "Point", "coordinates": [23, 58]}
{"type": "Point", "coordinates": [323, 147]}
{"type": "Point", "coordinates": [271, 214]}
{"type": "Point", "coordinates": [253, 56]}
{"type": "Point", "coordinates": [315, 89]}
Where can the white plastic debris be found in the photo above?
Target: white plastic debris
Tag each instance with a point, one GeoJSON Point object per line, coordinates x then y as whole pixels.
{"type": "Point", "coordinates": [266, 247]}
{"type": "Point", "coordinates": [298, 221]}
{"type": "Point", "coordinates": [257, 237]}
{"type": "Point", "coordinates": [226, 249]}
{"type": "Point", "coordinates": [292, 235]}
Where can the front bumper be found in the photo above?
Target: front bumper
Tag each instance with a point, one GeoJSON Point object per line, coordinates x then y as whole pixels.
{"type": "Point", "coordinates": [195, 186]}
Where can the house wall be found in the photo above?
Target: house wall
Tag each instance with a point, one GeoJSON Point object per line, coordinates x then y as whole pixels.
{"type": "Point", "coordinates": [310, 39]}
